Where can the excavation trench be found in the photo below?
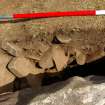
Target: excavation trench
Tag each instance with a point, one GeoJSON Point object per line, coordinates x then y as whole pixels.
{"type": "Point", "coordinates": [32, 47]}
{"type": "Point", "coordinates": [95, 69]}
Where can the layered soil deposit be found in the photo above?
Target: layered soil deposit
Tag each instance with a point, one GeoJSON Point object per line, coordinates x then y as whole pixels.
{"type": "Point", "coordinates": [29, 49]}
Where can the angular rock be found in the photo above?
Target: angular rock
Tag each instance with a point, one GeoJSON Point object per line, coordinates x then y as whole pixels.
{"type": "Point", "coordinates": [80, 57]}
{"type": "Point", "coordinates": [11, 48]}
{"type": "Point", "coordinates": [46, 61]}
{"type": "Point", "coordinates": [77, 82]}
{"type": "Point", "coordinates": [6, 77]}
{"type": "Point", "coordinates": [59, 57]}
{"type": "Point", "coordinates": [22, 67]}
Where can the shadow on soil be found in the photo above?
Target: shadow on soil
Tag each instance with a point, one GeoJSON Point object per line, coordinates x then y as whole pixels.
{"type": "Point", "coordinates": [94, 68]}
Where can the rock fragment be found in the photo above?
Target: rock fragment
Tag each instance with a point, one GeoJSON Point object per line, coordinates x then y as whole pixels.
{"type": "Point", "coordinates": [59, 57]}
{"type": "Point", "coordinates": [63, 38]}
{"type": "Point", "coordinates": [77, 82]}
{"type": "Point", "coordinates": [46, 60]}
{"type": "Point", "coordinates": [80, 57]}
{"type": "Point", "coordinates": [22, 67]}
{"type": "Point", "coordinates": [11, 48]}
{"type": "Point", "coordinates": [5, 76]}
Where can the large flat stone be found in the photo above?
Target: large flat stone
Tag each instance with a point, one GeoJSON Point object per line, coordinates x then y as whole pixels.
{"type": "Point", "coordinates": [59, 57]}
{"type": "Point", "coordinates": [22, 67]}
{"type": "Point", "coordinates": [6, 77]}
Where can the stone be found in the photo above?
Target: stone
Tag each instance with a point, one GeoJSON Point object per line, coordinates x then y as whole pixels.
{"type": "Point", "coordinates": [11, 48]}
{"type": "Point", "coordinates": [80, 57]}
{"type": "Point", "coordinates": [63, 38]}
{"type": "Point", "coordinates": [59, 57]}
{"type": "Point", "coordinates": [46, 61]}
{"type": "Point", "coordinates": [6, 77]}
{"type": "Point", "coordinates": [22, 67]}
{"type": "Point", "coordinates": [35, 48]}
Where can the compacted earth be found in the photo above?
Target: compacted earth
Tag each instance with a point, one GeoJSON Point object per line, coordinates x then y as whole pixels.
{"type": "Point", "coordinates": [32, 49]}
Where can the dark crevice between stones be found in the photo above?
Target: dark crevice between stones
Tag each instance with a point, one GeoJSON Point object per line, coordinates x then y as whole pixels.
{"type": "Point", "coordinates": [55, 41]}
{"type": "Point", "coordinates": [94, 68]}
{"type": "Point", "coordinates": [20, 83]}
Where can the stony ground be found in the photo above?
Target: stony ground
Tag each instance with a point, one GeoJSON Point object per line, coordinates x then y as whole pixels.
{"type": "Point", "coordinates": [74, 91]}
{"type": "Point", "coordinates": [31, 48]}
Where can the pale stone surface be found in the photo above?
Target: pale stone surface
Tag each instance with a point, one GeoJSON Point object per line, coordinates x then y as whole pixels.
{"type": "Point", "coordinates": [12, 48]}
{"type": "Point", "coordinates": [80, 57]}
{"type": "Point", "coordinates": [46, 60]}
{"type": "Point", "coordinates": [63, 38]}
{"type": "Point", "coordinates": [6, 77]}
{"type": "Point", "coordinates": [59, 57]}
{"type": "Point", "coordinates": [81, 95]}
{"type": "Point", "coordinates": [35, 81]}
{"type": "Point", "coordinates": [74, 91]}
{"type": "Point", "coordinates": [22, 67]}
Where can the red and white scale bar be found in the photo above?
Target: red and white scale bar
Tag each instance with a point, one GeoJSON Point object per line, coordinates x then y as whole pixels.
{"type": "Point", "coordinates": [55, 14]}
{"type": "Point", "coordinates": [60, 14]}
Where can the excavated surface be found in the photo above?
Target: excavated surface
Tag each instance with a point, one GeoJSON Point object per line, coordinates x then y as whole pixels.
{"type": "Point", "coordinates": [34, 47]}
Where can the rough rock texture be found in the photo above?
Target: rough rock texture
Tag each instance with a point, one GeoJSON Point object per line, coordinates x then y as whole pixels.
{"type": "Point", "coordinates": [85, 33]}
{"type": "Point", "coordinates": [12, 49]}
{"type": "Point", "coordinates": [22, 67]}
{"type": "Point", "coordinates": [6, 77]}
{"type": "Point", "coordinates": [8, 98]}
{"type": "Point", "coordinates": [59, 57]}
{"type": "Point", "coordinates": [29, 42]}
{"type": "Point", "coordinates": [82, 38]}
{"type": "Point", "coordinates": [75, 91]}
